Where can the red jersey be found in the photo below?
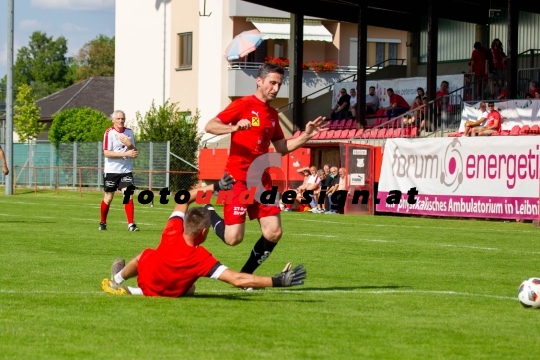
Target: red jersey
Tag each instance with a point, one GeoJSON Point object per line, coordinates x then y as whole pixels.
{"type": "Point", "coordinates": [399, 100]}
{"type": "Point", "coordinates": [478, 58]}
{"type": "Point", "coordinates": [492, 116]}
{"type": "Point", "coordinates": [174, 266]}
{"type": "Point", "coordinates": [533, 93]}
{"type": "Point", "coordinates": [247, 145]}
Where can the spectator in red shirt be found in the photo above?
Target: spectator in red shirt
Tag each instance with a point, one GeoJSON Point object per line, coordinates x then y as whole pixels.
{"type": "Point", "coordinates": [533, 90]}
{"type": "Point", "coordinates": [398, 105]}
{"type": "Point", "coordinates": [493, 123]}
{"type": "Point", "coordinates": [478, 66]}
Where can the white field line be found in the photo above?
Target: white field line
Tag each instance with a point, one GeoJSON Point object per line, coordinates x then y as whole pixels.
{"type": "Point", "coordinates": [421, 226]}
{"type": "Point", "coordinates": [468, 247]}
{"type": "Point", "coordinates": [156, 208]}
{"type": "Point", "coordinates": [319, 291]}
{"type": "Point", "coordinates": [317, 235]}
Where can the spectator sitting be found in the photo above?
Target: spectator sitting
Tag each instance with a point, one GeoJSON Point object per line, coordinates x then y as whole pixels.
{"type": "Point", "coordinates": [397, 106]}
{"type": "Point", "coordinates": [421, 93]}
{"type": "Point", "coordinates": [353, 103]}
{"type": "Point", "coordinates": [474, 123]}
{"type": "Point", "coordinates": [503, 94]}
{"type": "Point", "coordinates": [493, 124]}
{"type": "Point", "coordinates": [332, 188]}
{"type": "Point", "coordinates": [319, 208]}
{"type": "Point", "coordinates": [341, 110]}
{"type": "Point", "coordinates": [533, 90]}
{"type": "Point", "coordinates": [311, 182]}
{"type": "Point", "coordinates": [343, 185]}
{"type": "Point", "coordinates": [372, 101]}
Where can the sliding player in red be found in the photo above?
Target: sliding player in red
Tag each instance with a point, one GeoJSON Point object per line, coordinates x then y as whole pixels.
{"type": "Point", "coordinates": [172, 269]}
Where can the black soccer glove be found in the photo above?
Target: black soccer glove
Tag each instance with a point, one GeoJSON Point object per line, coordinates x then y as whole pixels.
{"type": "Point", "coordinates": [225, 183]}
{"type": "Point", "coordinates": [293, 277]}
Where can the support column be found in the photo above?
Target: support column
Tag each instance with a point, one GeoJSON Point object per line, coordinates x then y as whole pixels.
{"type": "Point", "coordinates": [412, 54]}
{"type": "Point", "coordinates": [8, 151]}
{"type": "Point", "coordinates": [433, 32]}
{"type": "Point", "coordinates": [298, 60]}
{"type": "Point", "coordinates": [362, 62]}
{"type": "Point", "coordinates": [512, 63]}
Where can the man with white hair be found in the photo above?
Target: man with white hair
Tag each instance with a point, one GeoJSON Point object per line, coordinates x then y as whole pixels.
{"type": "Point", "coordinates": [118, 150]}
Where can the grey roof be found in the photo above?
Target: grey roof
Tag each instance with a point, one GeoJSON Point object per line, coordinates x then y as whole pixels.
{"type": "Point", "coordinates": [96, 93]}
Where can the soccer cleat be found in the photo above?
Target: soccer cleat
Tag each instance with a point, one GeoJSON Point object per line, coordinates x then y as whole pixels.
{"type": "Point", "coordinates": [102, 226]}
{"type": "Point", "coordinates": [117, 266]}
{"type": "Point", "coordinates": [113, 288]}
{"type": "Point", "coordinates": [133, 227]}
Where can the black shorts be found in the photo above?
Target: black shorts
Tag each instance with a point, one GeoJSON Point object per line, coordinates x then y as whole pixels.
{"type": "Point", "coordinates": [115, 182]}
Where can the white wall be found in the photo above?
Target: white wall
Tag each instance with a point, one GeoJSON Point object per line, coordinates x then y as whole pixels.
{"type": "Point", "coordinates": [215, 33]}
{"type": "Point", "coordinates": [142, 55]}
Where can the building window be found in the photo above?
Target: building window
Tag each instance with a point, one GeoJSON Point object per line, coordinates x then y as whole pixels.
{"type": "Point", "coordinates": [379, 53]}
{"type": "Point", "coordinates": [185, 47]}
{"type": "Point", "coordinates": [392, 53]}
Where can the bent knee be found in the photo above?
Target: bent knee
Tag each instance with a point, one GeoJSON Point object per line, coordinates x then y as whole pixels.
{"type": "Point", "coordinates": [234, 239]}
{"type": "Point", "coordinates": [273, 235]}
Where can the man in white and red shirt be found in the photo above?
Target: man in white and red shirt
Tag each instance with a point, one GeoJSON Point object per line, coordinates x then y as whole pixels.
{"type": "Point", "coordinates": [493, 122]}
{"type": "Point", "coordinates": [254, 125]}
{"type": "Point", "coordinates": [118, 149]}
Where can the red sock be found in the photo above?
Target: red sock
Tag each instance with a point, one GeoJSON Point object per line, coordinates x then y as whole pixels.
{"type": "Point", "coordinates": [104, 211]}
{"type": "Point", "coordinates": [130, 211]}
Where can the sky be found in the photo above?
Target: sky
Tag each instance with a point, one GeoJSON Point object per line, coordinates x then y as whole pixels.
{"type": "Point", "coordinates": [79, 21]}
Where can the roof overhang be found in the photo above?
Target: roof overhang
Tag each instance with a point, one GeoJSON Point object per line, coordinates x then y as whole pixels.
{"type": "Point", "coordinates": [399, 15]}
{"type": "Point", "coordinates": [273, 28]}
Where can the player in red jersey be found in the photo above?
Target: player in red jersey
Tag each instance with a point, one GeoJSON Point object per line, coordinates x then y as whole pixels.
{"type": "Point", "coordinates": [172, 269]}
{"type": "Point", "coordinates": [253, 125]}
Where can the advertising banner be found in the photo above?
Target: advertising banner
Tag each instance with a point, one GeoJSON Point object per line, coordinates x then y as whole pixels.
{"type": "Point", "coordinates": [405, 87]}
{"type": "Point", "coordinates": [513, 112]}
{"type": "Point", "coordinates": [463, 177]}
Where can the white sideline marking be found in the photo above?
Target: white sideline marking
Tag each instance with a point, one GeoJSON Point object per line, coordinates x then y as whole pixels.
{"type": "Point", "coordinates": [319, 235]}
{"type": "Point", "coordinates": [330, 291]}
{"type": "Point", "coordinates": [116, 222]}
{"type": "Point", "coordinates": [309, 220]}
{"type": "Point", "coordinates": [467, 247]}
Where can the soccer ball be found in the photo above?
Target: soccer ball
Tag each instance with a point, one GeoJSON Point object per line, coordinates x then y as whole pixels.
{"type": "Point", "coordinates": [529, 293]}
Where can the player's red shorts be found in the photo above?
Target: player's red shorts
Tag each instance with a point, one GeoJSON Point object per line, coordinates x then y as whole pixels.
{"type": "Point", "coordinates": [235, 212]}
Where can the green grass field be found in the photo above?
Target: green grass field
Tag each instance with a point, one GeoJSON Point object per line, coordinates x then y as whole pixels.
{"type": "Point", "coordinates": [378, 287]}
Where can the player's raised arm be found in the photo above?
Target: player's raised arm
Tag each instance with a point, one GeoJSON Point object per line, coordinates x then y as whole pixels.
{"type": "Point", "coordinates": [284, 279]}
{"type": "Point", "coordinates": [312, 128]}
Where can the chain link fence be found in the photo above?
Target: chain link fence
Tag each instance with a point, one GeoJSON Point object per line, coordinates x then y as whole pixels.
{"type": "Point", "coordinates": [80, 165]}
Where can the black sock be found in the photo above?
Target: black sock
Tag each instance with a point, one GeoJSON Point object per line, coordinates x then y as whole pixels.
{"type": "Point", "coordinates": [217, 222]}
{"type": "Point", "coordinates": [261, 251]}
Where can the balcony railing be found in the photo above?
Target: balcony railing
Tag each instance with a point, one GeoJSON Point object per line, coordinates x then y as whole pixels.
{"type": "Point", "coordinates": [242, 65]}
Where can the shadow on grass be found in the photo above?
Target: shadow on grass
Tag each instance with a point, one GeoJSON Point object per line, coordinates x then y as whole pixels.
{"type": "Point", "coordinates": [245, 297]}
{"type": "Point", "coordinates": [353, 288]}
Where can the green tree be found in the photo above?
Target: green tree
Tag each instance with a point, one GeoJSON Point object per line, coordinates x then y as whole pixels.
{"type": "Point", "coordinates": [27, 115]}
{"type": "Point", "coordinates": [78, 124]}
{"type": "Point", "coordinates": [96, 58]}
{"type": "Point", "coordinates": [167, 123]}
{"type": "Point", "coordinates": [43, 64]}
